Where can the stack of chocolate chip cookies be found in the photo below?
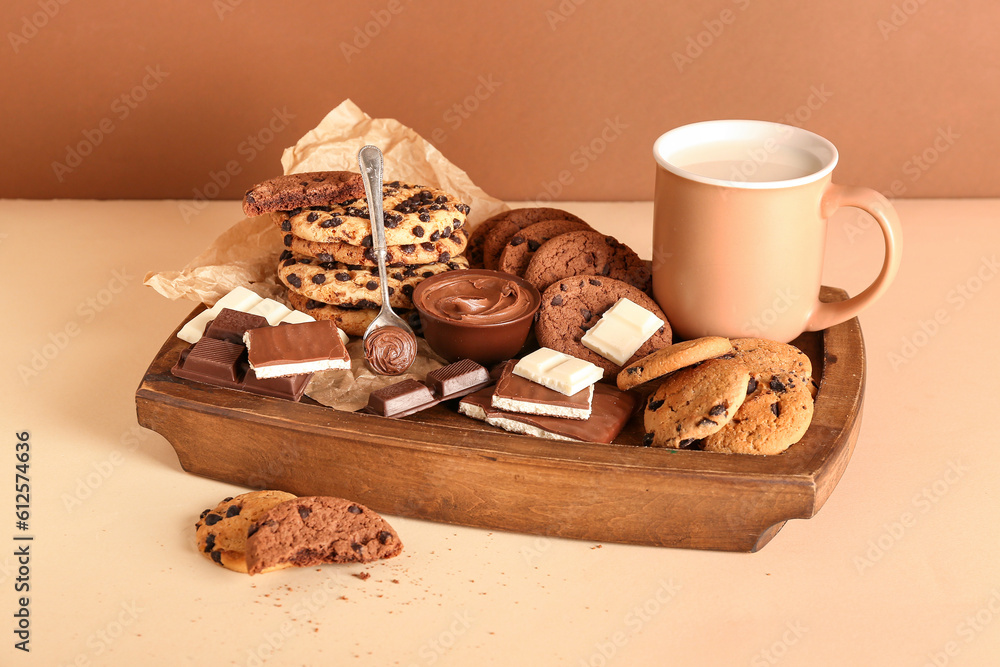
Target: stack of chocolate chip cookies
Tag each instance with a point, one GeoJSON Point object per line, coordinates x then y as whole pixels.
{"type": "Point", "coordinates": [328, 264]}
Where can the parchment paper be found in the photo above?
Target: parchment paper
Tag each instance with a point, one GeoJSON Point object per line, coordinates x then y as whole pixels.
{"type": "Point", "coordinates": [247, 253]}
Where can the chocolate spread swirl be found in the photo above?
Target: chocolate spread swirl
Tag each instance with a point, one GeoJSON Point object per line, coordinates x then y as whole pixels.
{"type": "Point", "coordinates": [477, 300]}
{"type": "Point", "coordinates": [390, 350]}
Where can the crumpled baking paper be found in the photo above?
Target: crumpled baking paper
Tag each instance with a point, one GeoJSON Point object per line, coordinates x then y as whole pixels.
{"type": "Point", "coordinates": [246, 254]}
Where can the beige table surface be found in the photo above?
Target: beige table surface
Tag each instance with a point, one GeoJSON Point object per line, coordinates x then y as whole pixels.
{"type": "Point", "coordinates": [901, 566]}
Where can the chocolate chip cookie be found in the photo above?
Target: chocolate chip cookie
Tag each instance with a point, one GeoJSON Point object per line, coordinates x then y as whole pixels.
{"type": "Point", "coordinates": [221, 532]}
{"type": "Point", "coordinates": [437, 249]}
{"type": "Point", "coordinates": [763, 356]}
{"type": "Point", "coordinates": [503, 226]}
{"type": "Point", "coordinates": [774, 416]}
{"type": "Point", "coordinates": [694, 403]}
{"type": "Point", "coordinates": [319, 529]}
{"type": "Point", "coordinates": [314, 188]}
{"type": "Point", "coordinates": [570, 307]}
{"type": "Point", "coordinates": [671, 358]}
{"type": "Point", "coordinates": [352, 321]}
{"type": "Point", "coordinates": [586, 253]}
{"type": "Point", "coordinates": [412, 214]}
{"type": "Point", "coordinates": [522, 246]}
{"type": "Point", "coordinates": [358, 286]}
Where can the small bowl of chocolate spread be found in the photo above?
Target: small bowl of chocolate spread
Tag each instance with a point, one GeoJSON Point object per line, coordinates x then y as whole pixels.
{"type": "Point", "coordinates": [476, 314]}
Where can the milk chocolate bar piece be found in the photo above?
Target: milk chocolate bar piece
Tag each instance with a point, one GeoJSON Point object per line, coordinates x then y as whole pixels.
{"type": "Point", "coordinates": [224, 364]}
{"type": "Point", "coordinates": [517, 394]}
{"type": "Point", "coordinates": [611, 410]}
{"type": "Point", "coordinates": [292, 349]}
{"type": "Point", "coordinates": [457, 379]}
{"type": "Point", "coordinates": [558, 371]}
{"type": "Point", "coordinates": [230, 325]}
{"type": "Point", "coordinates": [622, 329]}
{"type": "Point", "coordinates": [409, 396]}
{"type": "Point", "coordinates": [400, 399]}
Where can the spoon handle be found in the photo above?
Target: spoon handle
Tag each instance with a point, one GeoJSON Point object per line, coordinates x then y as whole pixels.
{"type": "Point", "coordinates": [370, 161]}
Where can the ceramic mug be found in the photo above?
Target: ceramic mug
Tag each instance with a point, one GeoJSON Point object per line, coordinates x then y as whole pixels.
{"type": "Point", "coordinates": [739, 229]}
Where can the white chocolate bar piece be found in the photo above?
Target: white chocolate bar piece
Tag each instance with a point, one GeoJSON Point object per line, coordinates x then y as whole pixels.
{"type": "Point", "coordinates": [245, 301]}
{"type": "Point", "coordinates": [558, 371]}
{"type": "Point", "coordinates": [622, 329]}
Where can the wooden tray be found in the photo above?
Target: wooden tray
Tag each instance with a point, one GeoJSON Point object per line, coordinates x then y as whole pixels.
{"type": "Point", "coordinates": [442, 466]}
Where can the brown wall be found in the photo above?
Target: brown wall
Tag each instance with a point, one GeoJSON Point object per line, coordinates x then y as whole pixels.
{"type": "Point", "coordinates": [163, 95]}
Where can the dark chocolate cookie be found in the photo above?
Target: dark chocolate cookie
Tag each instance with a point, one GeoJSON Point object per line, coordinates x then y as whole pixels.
{"type": "Point", "coordinates": [572, 306]}
{"type": "Point", "coordinates": [586, 253]}
{"type": "Point", "coordinates": [314, 188]}
{"type": "Point", "coordinates": [505, 225]}
{"type": "Point", "coordinates": [319, 529]}
{"type": "Point", "coordinates": [522, 246]}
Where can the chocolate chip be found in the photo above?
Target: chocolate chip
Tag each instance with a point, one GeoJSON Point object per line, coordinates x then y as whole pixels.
{"type": "Point", "coordinates": [705, 421]}
{"type": "Point", "coordinates": [312, 217]}
{"type": "Point", "coordinates": [391, 290]}
{"type": "Point", "coordinates": [304, 183]}
{"type": "Point", "coordinates": [633, 370]}
{"type": "Point", "coordinates": [285, 254]}
{"type": "Point", "coordinates": [429, 247]}
{"type": "Point", "coordinates": [212, 518]}
{"type": "Point", "coordinates": [342, 277]}
{"type": "Point", "coordinates": [595, 282]}
{"type": "Point", "coordinates": [655, 405]}
{"type": "Point", "coordinates": [396, 275]}
{"type": "Point", "coordinates": [719, 409]}
{"type": "Point", "coordinates": [209, 542]}
{"type": "Point", "coordinates": [446, 232]}
{"type": "Point", "coordinates": [356, 547]}
{"type": "Point", "coordinates": [563, 287]}
{"type": "Point", "coordinates": [217, 556]}
{"type": "Point", "coordinates": [371, 285]}
{"type": "Point", "coordinates": [424, 217]}
{"type": "Point", "coordinates": [328, 266]}
{"type": "Point", "coordinates": [647, 440]}
{"type": "Point", "coordinates": [776, 409]}
{"type": "Point", "coordinates": [408, 249]}
{"type": "Point", "coordinates": [319, 279]}
{"type": "Point", "coordinates": [776, 386]}
{"type": "Point", "coordinates": [556, 300]}
{"type": "Point", "coordinates": [391, 219]}
{"type": "Point", "coordinates": [305, 260]}
{"type": "Point", "coordinates": [203, 513]}
{"type": "Point", "coordinates": [385, 537]}
{"type": "Point", "coordinates": [534, 245]}
{"type": "Point", "coordinates": [456, 223]}
{"type": "Point", "coordinates": [288, 239]}
{"type": "Point", "coordinates": [586, 313]}
{"type": "Point", "coordinates": [752, 386]}
{"type": "Point", "coordinates": [294, 280]}
{"type": "Point", "coordinates": [692, 443]}
{"type": "Point", "coordinates": [441, 199]}
{"type": "Point", "coordinates": [366, 242]}
{"type": "Point", "coordinates": [408, 290]}
{"type": "Point", "coordinates": [289, 262]}
{"type": "Point", "coordinates": [427, 274]}
{"type": "Point", "coordinates": [435, 236]}
{"type": "Point", "coordinates": [304, 512]}
{"type": "Point", "coordinates": [286, 225]}
{"type": "Point", "coordinates": [418, 231]}
{"type": "Point", "coordinates": [445, 257]}
{"type": "Point", "coordinates": [354, 509]}
{"type": "Point", "coordinates": [250, 199]}
{"type": "Point", "coordinates": [324, 257]}
{"type": "Point", "coordinates": [516, 241]}
{"type": "Point", "coordinates": [233, 510]}
{"type": "Point", "coordinates": [606, 270]}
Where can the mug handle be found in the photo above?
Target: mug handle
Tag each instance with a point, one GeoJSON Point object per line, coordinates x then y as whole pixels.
{"type": "Point", "coordinates": [836, 196]}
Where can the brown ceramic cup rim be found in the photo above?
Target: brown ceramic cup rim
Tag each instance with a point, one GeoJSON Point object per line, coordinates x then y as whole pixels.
{"type": "Point", "coordinates": [536, 296]}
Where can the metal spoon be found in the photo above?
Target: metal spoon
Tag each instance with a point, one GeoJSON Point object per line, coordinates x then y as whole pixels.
{"type": "Point", "coordinates": [370, 161]}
